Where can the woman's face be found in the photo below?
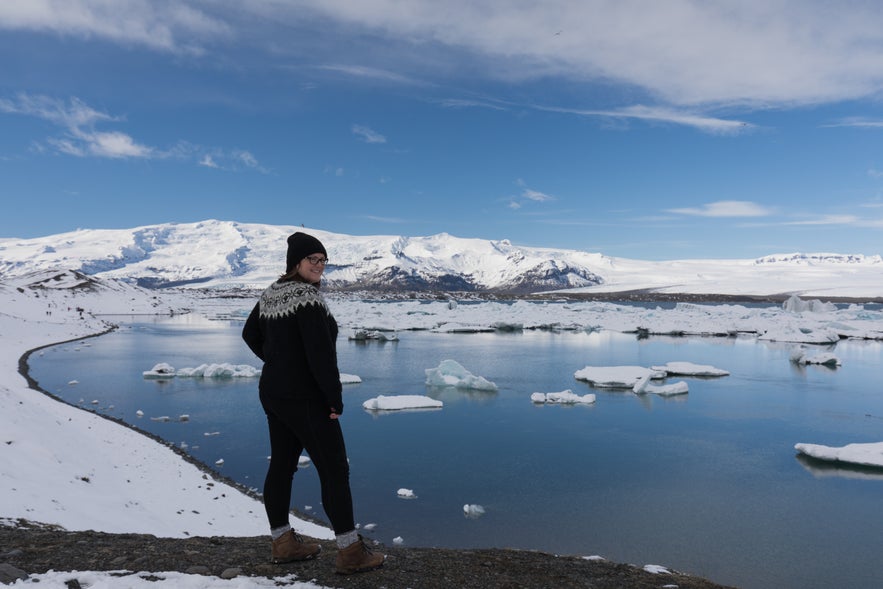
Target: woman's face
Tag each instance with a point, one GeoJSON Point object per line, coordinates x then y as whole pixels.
{"type": "Point", "coordinates": [309, 271]}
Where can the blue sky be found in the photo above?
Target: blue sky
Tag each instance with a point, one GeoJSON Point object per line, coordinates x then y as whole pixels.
{"type": "Point", "coordinates": [649, 130]}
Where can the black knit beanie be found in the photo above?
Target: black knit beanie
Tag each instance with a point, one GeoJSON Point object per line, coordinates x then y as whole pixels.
{"type": "Point", "coordinates": [301, 245]}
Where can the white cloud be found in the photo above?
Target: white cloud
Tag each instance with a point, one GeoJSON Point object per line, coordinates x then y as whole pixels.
{"type": "Point", "coordinates": [725, 208]}
{"type": "Point", "coordinates": [685, 52]}
{"type": "Point", "coordinates": [164, 25]}
{"type": "Point", "coordinates": [208, 161]}
{"type": "Point", "coordinates": [78, 119]}
{"type": "Point", "coordinates": [368, 135]}
{"type": "Point", "coordinates": [527, 194]}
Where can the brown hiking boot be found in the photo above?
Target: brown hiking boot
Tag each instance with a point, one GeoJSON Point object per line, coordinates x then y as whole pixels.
{"type": "Point", "coordinates": [357, 558]}
{"type": "Point", "coordinates": [290, 547]}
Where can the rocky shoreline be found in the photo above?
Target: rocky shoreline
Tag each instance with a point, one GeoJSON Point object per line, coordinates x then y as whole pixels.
{"type": "Point", "coordinates": [27, 549]}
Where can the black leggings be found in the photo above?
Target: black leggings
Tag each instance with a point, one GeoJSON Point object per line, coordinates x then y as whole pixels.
{"type": "Point", "coordinates": [305, 425]}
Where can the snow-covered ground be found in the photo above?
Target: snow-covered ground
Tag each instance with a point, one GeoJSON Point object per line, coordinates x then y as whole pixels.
{"type": "Point", "coordinates": [64, 466]}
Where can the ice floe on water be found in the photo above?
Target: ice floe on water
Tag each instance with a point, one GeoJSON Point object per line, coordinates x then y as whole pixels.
{"type": "Point", "coordinates": [221, 370]}
{"type": "Point", "coordinates": [473, 510]}
{"type": "Point", "coordinates": [567, 397]}
{"type": "Point", "coordinates": [690, 369]}
{"type": "Point", "coordinates": [449, 373]}
{"type": "Point", "coordinates": [643, 386]}
{"type": "Point", "coordinates": [401, 402]}
{"type": "Point", "coordinates": [349, 378]}
{"type": "Point", "coordinates": [617, 377]}
{"type": "Point", "coordinates": [870, 454]}
{"type": "Point", "coordinates": [404, 493]}
{"type": "Point", "coordinates": [803, 357]}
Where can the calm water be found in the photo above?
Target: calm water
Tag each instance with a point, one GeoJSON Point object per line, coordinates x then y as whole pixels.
{"type": "Point", "coordinates": [706, 483]}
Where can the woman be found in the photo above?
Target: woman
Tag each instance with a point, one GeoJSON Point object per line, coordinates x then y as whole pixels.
{"type": "Point", "coordinates": [294, 333]}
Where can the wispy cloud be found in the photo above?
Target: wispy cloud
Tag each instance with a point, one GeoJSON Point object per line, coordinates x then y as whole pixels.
{"type": "Point", "coordinates": [699, 121]}
{"type": "Point", "coordinates": [526, 195]}
{"type": "Point", "coordinates": [828, 220]}
{"type": "Point", "coordinates": [725, 208]}
{"type": "Point", "coordinates": [857, 122]}
{"type": "Point", "coordinates": [469, 103]}
{"type": "Point", "coordinates": [378, 219]}
{"type": "Point", "coordinates": [80, 138]}
{"type": "Point", "coordinates": [78, 121]}
{"type": "Point", "coordinates": [368, 135]}
{"type": "Point", "coordinates": [371, 73]}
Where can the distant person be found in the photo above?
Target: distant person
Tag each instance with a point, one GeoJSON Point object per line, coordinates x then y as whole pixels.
{"type": "Point", "coordinates": [292, 331]}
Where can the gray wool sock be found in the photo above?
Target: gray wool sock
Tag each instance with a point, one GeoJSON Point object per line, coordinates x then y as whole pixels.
{"type": "Point", "coordinates": [344, 540]}
{"type": "Point", "coordinates": [277, 533]}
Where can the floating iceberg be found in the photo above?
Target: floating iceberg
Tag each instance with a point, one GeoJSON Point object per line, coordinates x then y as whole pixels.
{"type": "Point", "coordinates": [616, 377]}
{"type": "Point", "coordinates": [406, 493]}
{"type": "Point", "coordinates": [161, 370]}
{"type": "Point", "coordinates": [224, 370]}
{"type": "Point", "coordinates": [799, 356]}
{"type": "Point", "coordinates": [400, 402]}
{"type": "Point", "coordinates": [219, 371]}
{"type": "Point", "coordinates": [362, 335]}
{"type": "Point", "coordinates": [473, 511]}
{"type": "Point", "coordinates": [451, 374]}
{"type": "Point", "coordinates": [564, 397]}
{"type": "Point", "coordinates": [864, 454]}
{"type": "Point", "coordinates": [349, 379]}
{"type": "Point", "coordinates": [643, 386]}
{"type": "Point", "coordinates": [690, 369]}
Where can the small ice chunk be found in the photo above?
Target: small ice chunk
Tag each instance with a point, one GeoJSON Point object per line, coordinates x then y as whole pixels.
{"type": "Point", "coordinates": [398, 540]}
{"type": "Point", "coordinates": [690, 369]}
{"type": "Point", "coordinates": [656, 569]}
{"type": "Point", "coordinates": [564, 397]}
{"type": "Point", "coordinates": [400, 402]}
{"type": "Point", "coordinates": [223, 370]}
{"type": "Point", "coordinates": [643, 386]}
{"type": "Point", "coordinates": [161, 370]}
{"type": "Point", "coordinates": [473, 511]}
{"type": "Point", "coordinates": [800, 356]}
{"type": "Point", "coordinates": [184, 417]}
{"type": "Point", "coordinates": [73, 382]}
{"type": "Point", "coordinates": [219, 462]}
{"type": "Point", "coordinates": [406, 493]}
{"type": "Point", "coordinates": [139, 413]}
{"type": "Point", "coordinates": [449, 373]}
{"type": "Point", "coordinates": [349, 379]}
{"type": "Point", "coordinates": [616, 377]}
{"type": "Point", "coordinates": [369, 527]}
{"type": "Point", "coordinates": [303, 461]}
{"type": "Point", "coordinates": [162, 418]}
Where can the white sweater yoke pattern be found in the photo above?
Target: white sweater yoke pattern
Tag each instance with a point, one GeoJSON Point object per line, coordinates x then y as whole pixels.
{"type": "Point", "coordinates": [285, 298]}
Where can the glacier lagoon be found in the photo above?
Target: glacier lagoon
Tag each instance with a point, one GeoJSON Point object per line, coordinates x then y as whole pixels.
{"type": "Point", "coordinates": [707, 482]}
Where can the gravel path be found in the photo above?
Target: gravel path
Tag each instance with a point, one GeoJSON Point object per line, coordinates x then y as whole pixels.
{"type": "Point", "coordinates": [26, 549]}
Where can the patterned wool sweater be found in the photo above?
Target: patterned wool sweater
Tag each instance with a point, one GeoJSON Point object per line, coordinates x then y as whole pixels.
{"type": "Point", "coordinates": [294, 333]}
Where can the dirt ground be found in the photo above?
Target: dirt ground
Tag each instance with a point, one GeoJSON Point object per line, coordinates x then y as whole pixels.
{"type": "Point", "coordinates": [31, 549]}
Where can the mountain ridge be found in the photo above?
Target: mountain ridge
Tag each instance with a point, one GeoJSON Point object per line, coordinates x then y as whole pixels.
{"type": "Point", "coordinates": [230, 254]}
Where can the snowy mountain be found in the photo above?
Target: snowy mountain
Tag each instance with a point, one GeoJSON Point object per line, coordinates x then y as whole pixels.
{"type": "Point", "coordinates": [225, 254]}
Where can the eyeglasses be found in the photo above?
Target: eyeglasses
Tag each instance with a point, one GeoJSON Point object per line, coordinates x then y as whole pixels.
{"type": "Point", "coordinates": [316, 260]}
